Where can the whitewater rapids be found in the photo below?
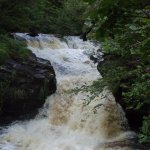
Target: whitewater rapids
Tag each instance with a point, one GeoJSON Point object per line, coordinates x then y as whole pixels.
{"type": "Point", "coordinates": [65, 122]}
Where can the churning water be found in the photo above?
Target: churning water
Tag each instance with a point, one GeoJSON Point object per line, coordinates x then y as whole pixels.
{"type": "Point", "coordinates": [65, 122]}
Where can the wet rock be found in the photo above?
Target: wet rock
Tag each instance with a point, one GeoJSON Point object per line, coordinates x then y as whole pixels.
{"type": "Point", "coordinates": [24, 85]}
{"type": "Point", "coordinates": [15, 36]}
{"type": "Point", "coordinates": [97, 57]}
{"type": "Point", "coordinates": [128, 141]}
{"type": "Point", "coordinates": [128, 144]}
{"type": "Point", "coordinates": [33, 32]}
{"type": "Point", "coordinates": [134, 116]}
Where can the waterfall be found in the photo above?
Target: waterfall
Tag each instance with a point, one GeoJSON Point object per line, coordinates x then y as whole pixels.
{"type": "Point", "coordinates": [65, 122]}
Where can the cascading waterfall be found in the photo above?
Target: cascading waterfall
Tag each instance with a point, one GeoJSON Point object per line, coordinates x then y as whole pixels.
{"type": "Point", "coordinates": [65, 122]}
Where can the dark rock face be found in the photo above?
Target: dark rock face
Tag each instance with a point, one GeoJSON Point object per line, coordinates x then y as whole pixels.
{"type": "Point", "coordinates": [24, 85]}
{"type": "Point", "coordinates": [135, 118]}
{"type": "Point", "coordinates": [127, 144]}
{"type": "Point", "coordinates": [33, 32]}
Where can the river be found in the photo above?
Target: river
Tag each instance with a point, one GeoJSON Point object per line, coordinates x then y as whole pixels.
{"type": "Point", "coordinates": [66, 121]}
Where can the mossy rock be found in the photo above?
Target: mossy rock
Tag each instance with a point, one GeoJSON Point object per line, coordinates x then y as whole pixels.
{"type": "Point", "coordinates": [24, 85]}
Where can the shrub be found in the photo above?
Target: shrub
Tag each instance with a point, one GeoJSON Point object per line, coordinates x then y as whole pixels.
{"type": "Point", "coordinates": [123, 29]}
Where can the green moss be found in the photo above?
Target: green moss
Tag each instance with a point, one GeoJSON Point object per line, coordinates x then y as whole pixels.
{"type": "Point", "coordinates": [11, 48]}
{"type": "Point", "coordinates": [9, 92]}
{"type": "Point", "coordinates": [46, 16]}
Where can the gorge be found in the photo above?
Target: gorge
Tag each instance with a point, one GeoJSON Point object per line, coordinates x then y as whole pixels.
{"type": "Point", "coordinates": [69, 120]}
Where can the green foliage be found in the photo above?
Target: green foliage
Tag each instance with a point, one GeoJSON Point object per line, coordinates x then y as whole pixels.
{"type": "Point", "coordinates": [145, 131]}
{"type": "Point", "coordinates": [16, 93]}
{"type": "Point", "coordinates": [46, 16]}
{"type": "Point", "coordinates": [7, 91]}
{"type": "Point", "coordinates": [67, 20]}
{"type": "Point", "coordinates": [11, 48]}
{"type": "Point", "coordinates": [123, 27]}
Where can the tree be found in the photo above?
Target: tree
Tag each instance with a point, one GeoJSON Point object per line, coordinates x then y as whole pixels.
{"type": "Point", "coordinates": [123, 27]}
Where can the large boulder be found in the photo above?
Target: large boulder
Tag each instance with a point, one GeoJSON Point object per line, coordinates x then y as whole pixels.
{"type": "Point", "coordinates": [24, 85]}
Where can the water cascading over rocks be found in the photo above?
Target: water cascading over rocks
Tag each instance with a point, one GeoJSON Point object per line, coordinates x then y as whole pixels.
{"type": "Point", "coordinates": [65, 122]}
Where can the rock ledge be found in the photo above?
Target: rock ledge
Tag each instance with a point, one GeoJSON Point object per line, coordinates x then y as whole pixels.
{"type": "Point", "coordinates": [24, 85]}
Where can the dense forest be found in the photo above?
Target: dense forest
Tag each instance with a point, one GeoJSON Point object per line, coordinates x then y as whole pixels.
{"type": "Point", "coordinates": [122, 27]}
{"type": "Point", "coordinates": [43, 16]}
{"type": "Point", "coordinates": [40, 16]}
